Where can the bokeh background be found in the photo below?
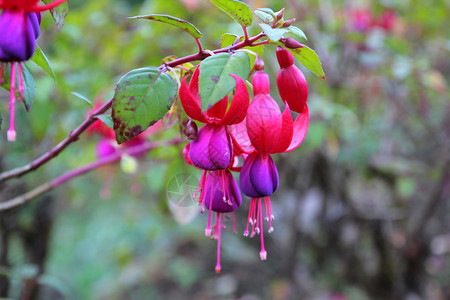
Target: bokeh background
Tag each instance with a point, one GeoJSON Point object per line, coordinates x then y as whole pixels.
{"type": "Point", "coordinates": [363, 207]}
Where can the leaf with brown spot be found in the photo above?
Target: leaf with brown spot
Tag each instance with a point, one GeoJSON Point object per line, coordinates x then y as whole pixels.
{"type": "Point", "coordinates": [142, 97]}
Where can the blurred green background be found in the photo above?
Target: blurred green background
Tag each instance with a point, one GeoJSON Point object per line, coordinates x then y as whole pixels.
{"type": "Point", "coordinates": [362, 210]}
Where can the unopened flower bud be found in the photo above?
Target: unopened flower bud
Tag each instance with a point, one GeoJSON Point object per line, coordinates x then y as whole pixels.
{"type": "Point", "coordinates": [280, 15]}
{"type": "Point", "coordinates": [292, 43]}
{"type": "Point", "coordinates": [291, 82]}
{"type": "Point", "coordinates": [191, 130]}
{"type": "Point", "coordinates": [288, 23]}
{"type": "Point", "coordinates": [259, 64]}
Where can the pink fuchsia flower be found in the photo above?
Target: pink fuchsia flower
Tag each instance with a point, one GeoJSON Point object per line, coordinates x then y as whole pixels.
{"type": "Point", "coordinates": [266, 131]}
{"type": "Point", "coordinates": [291, 82]}
{"type": "Point", "coordinates": [19, 29]}
{"type": "Point", "coordinates": [213, 147]}
{"type": "Point", "coordinates": [220, 195]}
{"type": "Point", "coordinates": [105, 147]}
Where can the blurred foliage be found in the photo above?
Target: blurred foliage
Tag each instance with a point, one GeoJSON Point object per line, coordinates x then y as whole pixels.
{"type": "Point", "coordinates": [362, 211]}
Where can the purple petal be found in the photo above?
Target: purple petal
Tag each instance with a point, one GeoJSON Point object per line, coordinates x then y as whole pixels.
{"type": "Point", "coordinates": [18, 35]}
{"type": "Point", "coordinates": [244, 178]}
{"type": "Point", "coordinates": [222, 192]}
{"type": "Point", "coordinates": [259, 176]}
{"type": "Point", "coordinates": [220, 148]}
{"type": "Point", "coordinates": [212, 149]}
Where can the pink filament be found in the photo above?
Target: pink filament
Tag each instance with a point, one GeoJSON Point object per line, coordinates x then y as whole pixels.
{"type": "Point", "coordinates": [11, 134]}
{"type": "Point", "coordinates": [218, 228]}
{"type": "Point", "coordinates": [203, 188]}
{"type": "Point", "coordinates": [208, 228]}
{"type": "Point", "coordinates": [262, 253]}
{"type": "Point", "coordinates": [200, 188]}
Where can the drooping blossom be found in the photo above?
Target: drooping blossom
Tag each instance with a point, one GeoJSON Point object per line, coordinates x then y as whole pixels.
{"type": "Point", "coordinates": [19, 29]}
{"type": "Point", "coordinates": [291, 82]}
{"type": "Point", "coordinates": [213, 147]}
{"type": "Point", "coordinates": [266, 131]}
{"type": "Point", "coordinates": [212, 150]}
{"type": "Point", "coordinates": [221, 195]}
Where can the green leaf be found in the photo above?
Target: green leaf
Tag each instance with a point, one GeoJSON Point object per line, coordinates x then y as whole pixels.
{"type": "Point", "coordinates": [268, 11]}
{"type": "Point", "coordinates": [107, 120]}
{"type": "Point", "coordinates": [274, 34]}
{"type": "Point", "coordinates": [142, 97]}
{"type": "Point", "coordinates": [297, 32]}
{"type": "Point", "coordinates": [185, 25]}
{"type": "Point", "coordinates": [28, 82]}
{"type": "Point", "coordinates": [238, 10]}
{"type": "Point", "coordinates": [264, 16]}
{"type": "Point", "coordinates": [307, 57]}
{"type": "Point", "coordinates": [59, 13]}
{"type": "Point", "coordinates": [228, 39]}
{"type": "Point", "coordinates": [215, 81]}
{"type": "Point", "coordinates": [83, 98]}
{"type": "Point", "coordinates": [41, 60]}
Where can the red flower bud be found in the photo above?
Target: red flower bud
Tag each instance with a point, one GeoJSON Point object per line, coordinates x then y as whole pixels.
{"type": "Point", "coordinates": [292, 43]}
{"type": "Point", "coordinates": [280, 15]}
{"type": "Point", "coordinates": [259, 64]}
{"type": "Point", "coordinates": [291, 82]}
{"type": "Point", "coordinates": [288, 23]}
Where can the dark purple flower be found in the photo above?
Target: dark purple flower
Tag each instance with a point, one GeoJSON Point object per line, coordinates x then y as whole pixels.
{"type": "Point", "coordinates": [19, 29]}
{"type": "Point", "coordinates": [222, 193]}
{"type": "Point", "coordinates": [212, 150]}
{"type": "Point", "coordinates": [18, 34]}
{"type": "Point", "coordinates": [259, 176]}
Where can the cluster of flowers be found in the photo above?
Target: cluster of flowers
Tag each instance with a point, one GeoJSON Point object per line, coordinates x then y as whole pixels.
{"type": "Point", "coordinates": [251, 130]}
{"type": "Point", "coordinates": [19, 29]}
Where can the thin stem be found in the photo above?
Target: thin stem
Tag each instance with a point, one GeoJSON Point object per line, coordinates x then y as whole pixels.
{"type": "Point", "coordinates": [245, 33]}
{"type": "Point", "coordinates": [202, 55]}
{"type": "Point", "coordinates": [260, 43]}
{"type": "Point", "coordinates": [199, 44]}
{"type": "Point", "coordinates": [37, 8]}
{"type": "Point", "coordinates": [73, 136]}
{"type": "Point", "coordinates": [136, 150]}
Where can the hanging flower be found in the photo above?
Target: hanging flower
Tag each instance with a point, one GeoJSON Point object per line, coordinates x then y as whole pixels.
{"type": "Point", "coordinates": [220, 195]}
{"type": "Point", "coordinates": [213, 150]}
{"type": "Point", "coordinates": [213, 147]}
{"type": "Point", "coordinates": [266, 131]}
{"type": "Point", "coordinates": [19, 29]}
{"type": "Point", "coordinates": [291, 82]}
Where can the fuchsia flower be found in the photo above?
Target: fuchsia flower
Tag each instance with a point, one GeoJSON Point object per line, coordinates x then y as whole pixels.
{"type": "Point", "coordinates": [291, 82]}
{"type": "Point", "coordinates": [267, 131]}
{"type": "Point", "coordinates": [213, 150]}
{"type": "Point", "coordinates": [19, 29]}
{"type": "Point", "coordinates": [220, 194]}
